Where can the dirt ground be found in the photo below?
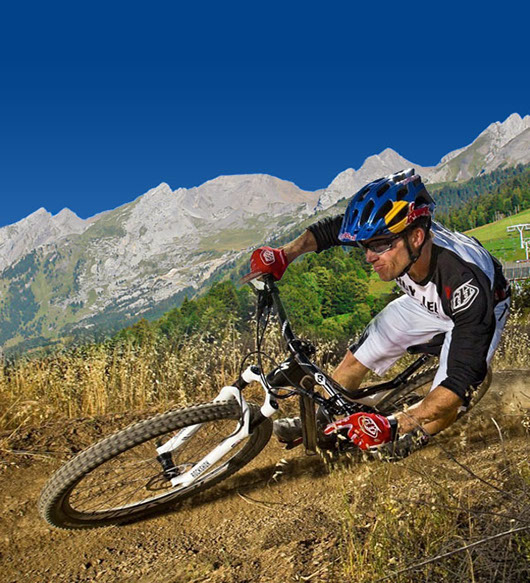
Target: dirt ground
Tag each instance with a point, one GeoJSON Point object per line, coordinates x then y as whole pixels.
{"type": "Point", "coordinates": [275, 521]}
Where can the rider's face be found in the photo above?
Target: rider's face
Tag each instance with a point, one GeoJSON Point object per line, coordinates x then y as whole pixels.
{"type": "Point", "coordinates": [387, 255]}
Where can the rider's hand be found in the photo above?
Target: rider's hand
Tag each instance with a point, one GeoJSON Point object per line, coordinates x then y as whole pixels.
{"type": "Point", "coordinates": [366, 430]}
{"type": "Point", "coordinates": [267, 260]}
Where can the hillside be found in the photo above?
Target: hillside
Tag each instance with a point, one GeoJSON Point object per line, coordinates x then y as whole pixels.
{"type": "Point", "coordinates": [288, 517]}
{"type": "Point", "coordinates": [68, 279]}
{"type": "Point", "coordinates": [505, 246]}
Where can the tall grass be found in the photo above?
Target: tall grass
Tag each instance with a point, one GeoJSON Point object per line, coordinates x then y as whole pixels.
{"type": "Point", "coordinates": [103, 379]}
{"type": "Point", "coordinates": [113, 378]}
{"type": "Point", "coordinates": [410, 523]}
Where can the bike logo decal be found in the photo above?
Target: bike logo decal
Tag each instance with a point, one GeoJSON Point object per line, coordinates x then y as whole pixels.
{"type": "Point", "coordinates": [369, 426]}
{"type": "Point", "coordinates": [267, 257]}
{"type": "Point", "coordinates": [200, 469]}
{"type": "Point", "coordinates": [463, 297]}
{"type": "Point", "coordinates": [320, 378]}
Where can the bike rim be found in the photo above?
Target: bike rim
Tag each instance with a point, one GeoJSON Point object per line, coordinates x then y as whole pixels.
{"type": "Point", "coordinates": [134, 479]}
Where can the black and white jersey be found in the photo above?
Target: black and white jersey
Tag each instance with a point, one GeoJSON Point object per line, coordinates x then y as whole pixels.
{"type": "Point", "coordinates": [463, 284]}
{"type": "Point", "coordinates": [461, 289]}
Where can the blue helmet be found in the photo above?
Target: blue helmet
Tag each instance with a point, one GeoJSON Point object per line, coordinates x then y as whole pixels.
{"type": "Point", "coordinates": [386, 206]}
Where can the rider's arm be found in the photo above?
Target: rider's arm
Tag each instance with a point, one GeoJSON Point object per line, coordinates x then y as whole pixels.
{"type": "Point", "coordinates": [434, 413]}
{"type": "Point", "coordinates": [318, 237]}
{"type": "Point", "coordinates": [322, 235]}
{"type": "Point", "coordinates": [326, 232]}
{"type": "Point", "coordinates": [305, 243]}
{"type": "Point", "coordinates": [468, 299]}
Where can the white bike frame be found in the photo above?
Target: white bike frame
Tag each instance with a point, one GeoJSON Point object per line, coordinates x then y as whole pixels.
{"type": "Point", "coordinates": [227, 393]}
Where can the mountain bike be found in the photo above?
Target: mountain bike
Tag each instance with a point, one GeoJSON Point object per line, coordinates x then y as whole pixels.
{"type": "Point", "coordinates": [158, 462]}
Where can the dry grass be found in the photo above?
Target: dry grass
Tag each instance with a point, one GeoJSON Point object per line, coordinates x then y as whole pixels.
{"type": "Point", "coordinates": [514, 347]}
{"type": "Point", "coordinates": [414, 525]}
{"type": "Point", "coordinates": [99, 379]}
{"type": "Point", "coordinates": [394, 517]}
{"type": "Point", "coordinates": [459, 511]}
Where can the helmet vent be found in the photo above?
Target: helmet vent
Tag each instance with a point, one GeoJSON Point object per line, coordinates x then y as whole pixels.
{"type": "Point", "coordinates": [383, 189]}
{"type": "Point", "coordinates": [363, 193]}
{"type": "Point", "coordinates": [401, 193]}
{"type": "Point", "coordinates": [423, 199]}
{"type": "Point", "coordinates": [386, 208]}
{"type": "Point", "coordinates": [367, 210]}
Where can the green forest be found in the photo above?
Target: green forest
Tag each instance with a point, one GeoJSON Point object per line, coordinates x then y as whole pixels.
{"type": "Point", "coordinates": [326, 296]}
{"type": "Point", "coordinates": [484, 199]}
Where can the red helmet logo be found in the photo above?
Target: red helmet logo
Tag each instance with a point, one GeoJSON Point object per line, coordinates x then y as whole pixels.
{"type": "Point", "coordinates": [415, 213]}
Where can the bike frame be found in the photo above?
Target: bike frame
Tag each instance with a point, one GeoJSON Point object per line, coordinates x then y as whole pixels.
{"type": "Point", "coordinates": [336, 402]}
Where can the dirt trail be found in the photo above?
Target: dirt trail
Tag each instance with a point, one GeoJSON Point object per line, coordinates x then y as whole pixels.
{"type": "Point", "coordinates": [269, 523]}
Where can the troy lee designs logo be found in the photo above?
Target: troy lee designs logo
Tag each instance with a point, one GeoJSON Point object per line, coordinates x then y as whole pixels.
{"type": "Point", "coordinates": [463, 297]}
{"type": "Point", "coordinates": [347, 237]}
{"type": "Point", "coordinates": [369, 426]}
{"type": "Point", "coordinates": [267, 257]}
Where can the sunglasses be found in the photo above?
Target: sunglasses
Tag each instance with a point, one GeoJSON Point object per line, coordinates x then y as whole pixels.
{"type": "Point", "coordinates": [380, 246]}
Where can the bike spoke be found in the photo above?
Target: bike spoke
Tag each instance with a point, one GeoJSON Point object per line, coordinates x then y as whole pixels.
{"type": "Point", "coordinates": [125, 479]}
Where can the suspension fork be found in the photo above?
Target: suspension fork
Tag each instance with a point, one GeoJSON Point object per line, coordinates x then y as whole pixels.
{"type": "Point", "coordinates": [227, 393]}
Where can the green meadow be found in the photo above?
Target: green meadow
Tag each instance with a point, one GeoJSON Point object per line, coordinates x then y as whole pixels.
{"type": "Point", "coordinates": [505, 246]}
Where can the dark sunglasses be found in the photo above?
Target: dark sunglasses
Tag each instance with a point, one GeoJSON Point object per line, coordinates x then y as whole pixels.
{"type": "Point", "coordinates": [380, 246]}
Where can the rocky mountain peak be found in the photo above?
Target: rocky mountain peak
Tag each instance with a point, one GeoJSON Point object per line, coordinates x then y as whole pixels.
{"type": "Point", "coordinates": [38, 216]}
{"type": "Point", "coordinates": [226, 199]}
{"type": "Point", "coordinates": [162, 190]}
{"type": "Point", "coordinates": [350, 181]}
{"type": "Point", "coordinates": [37, 229]}
{"type": "Point", "coordinates": [509, 128]}
{"type": "Point", "coordinates": [499, 134]}
{"type": "Point", "coordinates": [506, 142]}
{"type": "Point", "coordinates": [67, 222]}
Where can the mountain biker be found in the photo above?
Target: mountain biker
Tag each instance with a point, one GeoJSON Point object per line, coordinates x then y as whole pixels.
{"type": "Point", "coordinates": [452, 287]}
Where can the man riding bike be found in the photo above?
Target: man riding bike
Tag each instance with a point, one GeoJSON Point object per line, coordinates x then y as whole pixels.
{"type": "Point", "coordinates": [454, 290]}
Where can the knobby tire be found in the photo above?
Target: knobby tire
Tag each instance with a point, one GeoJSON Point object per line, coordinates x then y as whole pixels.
{"type": "Point", "coordinates": [57, 503]}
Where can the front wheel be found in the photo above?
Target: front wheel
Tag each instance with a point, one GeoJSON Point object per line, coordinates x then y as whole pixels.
{"type": "Point", "coordinates": [121, 478]}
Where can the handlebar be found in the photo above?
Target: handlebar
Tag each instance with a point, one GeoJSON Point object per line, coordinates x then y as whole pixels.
{"type": "Point", "coordinates": [301, 350]}
{"type": "Point", "coordinates": [271, 291]}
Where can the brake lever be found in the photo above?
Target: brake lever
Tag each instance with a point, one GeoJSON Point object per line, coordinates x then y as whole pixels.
{"type": "Point", "coordinates": [264, 302]}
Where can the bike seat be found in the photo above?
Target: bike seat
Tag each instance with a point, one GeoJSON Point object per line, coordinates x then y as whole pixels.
{"type": "Point", "coordinates": [434, 346]}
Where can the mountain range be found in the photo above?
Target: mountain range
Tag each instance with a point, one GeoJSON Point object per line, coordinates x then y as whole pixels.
{"type": "Point", "coordinates": [62, 275]}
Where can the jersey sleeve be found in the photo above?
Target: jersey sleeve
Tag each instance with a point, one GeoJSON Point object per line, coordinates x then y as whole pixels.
{"type": "Point", "coordinates": [326, 232]}
{"type": "Point", "coordinates": [469, 302]}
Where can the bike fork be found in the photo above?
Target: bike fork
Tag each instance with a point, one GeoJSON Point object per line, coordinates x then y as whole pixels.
{"type": "Point", "coordinates": [226, 394]}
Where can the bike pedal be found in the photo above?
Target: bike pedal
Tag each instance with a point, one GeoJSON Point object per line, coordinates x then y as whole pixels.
{"type": "Point", "coordinates": [292, 444]}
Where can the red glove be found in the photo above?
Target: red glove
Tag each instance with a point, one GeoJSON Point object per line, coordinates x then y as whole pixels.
{"type": "Point", "coordinates": [366, 430]}
{"type": "Point", "coordinates": [267, 260]}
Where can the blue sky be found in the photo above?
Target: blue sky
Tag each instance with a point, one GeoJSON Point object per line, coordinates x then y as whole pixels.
{"type": "Point", "coordinates": [101, 101]}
